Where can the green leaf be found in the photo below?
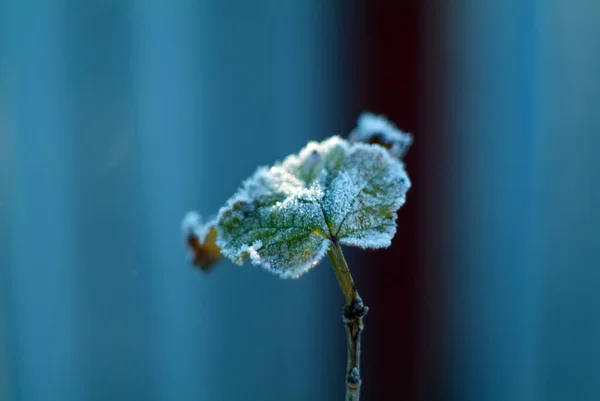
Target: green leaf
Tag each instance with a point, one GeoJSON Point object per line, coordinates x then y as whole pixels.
{"type": "Point", "coordinates": [284, 217]}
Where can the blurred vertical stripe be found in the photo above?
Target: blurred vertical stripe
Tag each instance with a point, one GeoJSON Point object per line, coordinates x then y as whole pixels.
{"type": "Point", "coordinates": [43, 344]}
{"type": "Point", "coordinates": [567, 196]}
{"type": "Point", "coordinates": [388, 33]}
{"type": "Point", "coordinates": [492, 310]}
{"type": "Point", "coordinates": [6, 157]}
{"type": "Point", "coordinates": [113, 296]}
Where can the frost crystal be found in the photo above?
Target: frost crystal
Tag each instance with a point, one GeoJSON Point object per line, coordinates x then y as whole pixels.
{"type": "Point", "coordinates": [284, 217]}
{"type": "Point", "coordinates": [378, 130]}
{"type": "Point", "coordinates": [193, 224]}
{"type": "Point", "coordinates": [201, 239]}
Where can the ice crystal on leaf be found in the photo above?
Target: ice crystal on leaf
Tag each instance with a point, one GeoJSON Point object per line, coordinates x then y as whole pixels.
{"type": "Point", "coordinates": [378, 130]}
{"type": "Point", "coordinates": [284, 217]}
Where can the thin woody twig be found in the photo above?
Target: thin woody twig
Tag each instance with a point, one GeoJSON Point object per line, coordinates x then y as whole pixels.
{"type": "Point", "coordinates": [354, 311]}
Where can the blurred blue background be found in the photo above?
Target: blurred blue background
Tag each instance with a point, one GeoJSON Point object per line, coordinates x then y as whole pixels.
{"type": "Point", "coordinates": [117, 117]}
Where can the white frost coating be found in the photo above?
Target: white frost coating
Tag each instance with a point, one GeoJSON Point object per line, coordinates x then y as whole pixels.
{"type": "Point", "coordinates": [284, 218]}
{"type": "Point", "coordinates": [252, 251]}
{"type": "Point", "coordinates": [377, 129]}
{"type": "Point", "coordinates": [193, 223]}
{"type": "Point", "coordinates": [346, 186]}
{"type": "Point", "coordinates": [257, 245]}
{"type": "Point", "coordinates": [190, 221]}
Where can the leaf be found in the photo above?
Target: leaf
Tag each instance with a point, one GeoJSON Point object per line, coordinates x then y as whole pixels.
{"type": "Point", "coordinates": [201, 240]}
{"type": "Point", "coordinates": [378, 130]}
{"type": "Point", "coordinates": [284, 217]}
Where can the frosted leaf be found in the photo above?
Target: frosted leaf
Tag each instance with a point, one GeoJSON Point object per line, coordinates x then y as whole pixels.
{"type": "Point", "coordinates": [284, 217]}
{"type": "Point", "coordinates": [378, 130]}
{"type": "Point", "coordinates": [201, 239]}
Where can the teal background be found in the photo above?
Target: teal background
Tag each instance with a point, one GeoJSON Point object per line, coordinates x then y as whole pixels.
{"type": "Point", "coordinates": [118, 116]}
{"type": "Point", "coordinates": [116, 119]}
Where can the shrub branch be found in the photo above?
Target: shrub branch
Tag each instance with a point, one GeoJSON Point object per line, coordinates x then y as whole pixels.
{"type": "Point", "coordinates": [353, 314]}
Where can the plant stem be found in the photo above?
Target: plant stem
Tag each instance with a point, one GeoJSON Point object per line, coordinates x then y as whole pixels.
{"type": "Point", "coordinates": [354, 311]}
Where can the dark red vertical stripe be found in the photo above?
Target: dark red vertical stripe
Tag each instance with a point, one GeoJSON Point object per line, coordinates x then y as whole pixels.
{"type": "Point", "coordinates": [400, 285]}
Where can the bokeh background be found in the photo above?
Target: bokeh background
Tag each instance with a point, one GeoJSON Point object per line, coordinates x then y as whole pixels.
{"type": "Point", "coordinates": [118, 116]}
